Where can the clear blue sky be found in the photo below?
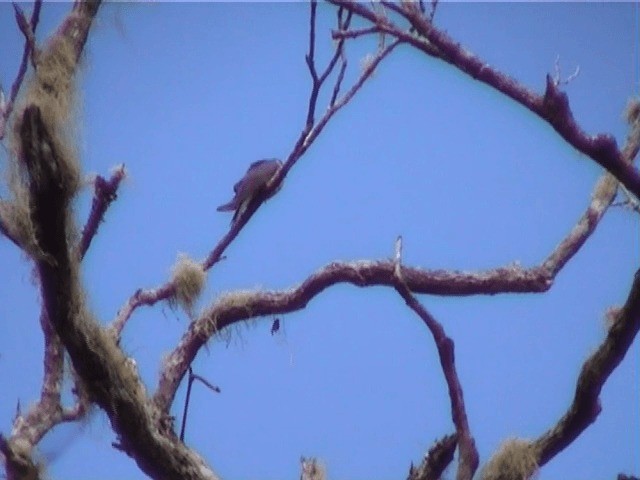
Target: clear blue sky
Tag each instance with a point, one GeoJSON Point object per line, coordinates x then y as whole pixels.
{"type": "Point", "coordinates": [188, 95]}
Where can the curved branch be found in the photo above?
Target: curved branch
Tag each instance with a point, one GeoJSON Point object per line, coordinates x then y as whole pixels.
{"type": "Point", "coordinates": [468, 459]}
{"type": "Point", "coordinates": [596, 370]}
{"type": "Point", "coordinates": [552, 106]}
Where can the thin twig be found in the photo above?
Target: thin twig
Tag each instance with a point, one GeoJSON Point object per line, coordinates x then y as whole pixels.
{"type": "Point", "coordinates": [192, 377]}
{"type": "Point", "coordinates": [346, 34]}
{"type": "Point", "coordinates": [25, 27]}
{"type": "Point", "coordinates": [22, 69]}
{"type": "Point", "coordinates": [336, 87]}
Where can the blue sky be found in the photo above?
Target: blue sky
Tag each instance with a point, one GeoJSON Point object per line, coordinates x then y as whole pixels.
{"type": "Point", "coordinates": [188, 95]}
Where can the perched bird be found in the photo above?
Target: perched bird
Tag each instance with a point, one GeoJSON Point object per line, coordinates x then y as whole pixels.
{"type": "Point", "coordinates": [258, 175]}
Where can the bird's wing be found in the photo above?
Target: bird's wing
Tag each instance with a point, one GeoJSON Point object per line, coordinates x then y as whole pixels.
{"type": "Point", "coordinates": [253, 169]}
{"type": "Point", "coordinates": [257, 163]}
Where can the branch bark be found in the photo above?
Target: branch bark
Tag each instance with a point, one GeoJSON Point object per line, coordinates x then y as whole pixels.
{"type": "Point", "coordinates": [596, 370]}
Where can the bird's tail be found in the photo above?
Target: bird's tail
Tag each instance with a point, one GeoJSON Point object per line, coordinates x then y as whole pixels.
{"type": "Point", "coordinates": [227, 207]}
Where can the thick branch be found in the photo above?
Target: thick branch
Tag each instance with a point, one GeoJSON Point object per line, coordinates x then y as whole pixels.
{"type": "Point", "coordinates": [144, 433]}
{"type": "Point", "coordinates": [552, 106]}
{"type": "Point", "coordinates": [596, 370]}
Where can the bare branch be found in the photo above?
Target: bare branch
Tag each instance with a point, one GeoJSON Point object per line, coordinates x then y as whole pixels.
{"type": "Point", "coordinates": [436, 460]}
{"type": "Point", "coordinates": [630, 201]}
{"type": "Point", "coordinates": [346, 34]}
{"type": "Point", "coordinates": [27, 31]}
{"type": "Point", "coordinates": [336, 87]}
{"type": "Point", "coordinates": [318, 80]}
{"type": "Point", "coordinates": [192, 378]}
{"type": "Point", "coordinates": [48, 411]}
{"type": "Point", "coordinates": [105, 193]}
{"type": "Point", "coordinates": [602, 197]}
{"type": "Point", "coordinates": [596, 370]}
{"type": "Point", "coordinates": [140, 297]}
{"type": "Point", "coordinates": [468, 458]}
{"type": "Point", "coordinates": [6, 111]}
{"type": "Point", "coordinates": [552, 106]}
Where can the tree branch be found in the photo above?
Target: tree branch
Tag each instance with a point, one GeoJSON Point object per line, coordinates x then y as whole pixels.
{"type": "Point", "coordinates": [468, 458]}
{"type": "Point", "coordinates": [552, 106]}
{"type": "Point", "coordinates": [596, 370]}
{"type": "Point", "coordinates": [29, 44]}
{"type": "Point", "coordinates": [105, 193]}
{"type": "Point", "coordinates": [436, 460]}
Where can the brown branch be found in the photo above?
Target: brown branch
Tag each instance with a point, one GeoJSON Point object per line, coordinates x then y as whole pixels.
{"type": "Point", "coordinates": [436, 460]}
{"type": "Point", "coordinates": [552, 106]}
{"type": "Point", "coordinates": [48, 411]}
{"type": "Point", "coordinates": [192, 378]}
{"type": "Point", "coordinates": [18, 461]}
{"type": "Point", "coordinates": [346, 34]}
{"type": "Point", "coordinates": [105, 192]}
{"type": "Point", "coordinates": [586, 407]}
{"type": "Point", "coordinates": [140, 297]}
{"type": "Point", "coordinates": [601, 198]}
{"type": "Point", "coordinates": [468, 459]}
{"type": "Point", "coordinates": [25, 27]}
{"type": "Point", "coordinates": [29, 49]}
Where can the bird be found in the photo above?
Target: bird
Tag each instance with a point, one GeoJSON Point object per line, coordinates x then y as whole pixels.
{"type": "Point", "coordinates": [254, 180]}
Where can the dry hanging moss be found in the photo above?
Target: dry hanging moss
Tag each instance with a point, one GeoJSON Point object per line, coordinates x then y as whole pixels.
{"type": "Point", "coordinates": [188, 277]}
{"type": "Point", "coordinates": [51, 88]}
{"type": "Point", "coordinates": [514, 460]}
